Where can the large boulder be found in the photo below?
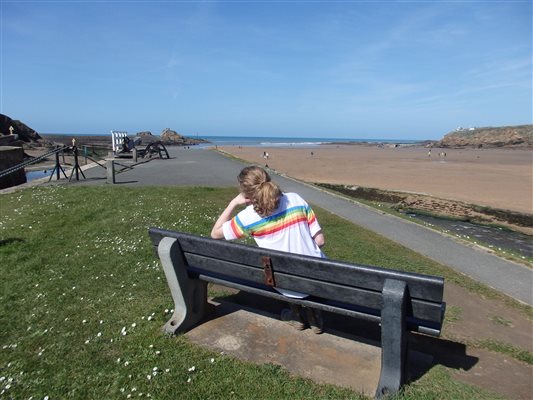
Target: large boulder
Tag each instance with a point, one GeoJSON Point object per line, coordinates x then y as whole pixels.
{"type": "Point", "coordinates": [24, 132]}
{"type": "Point", "coordinates": [507, 136]}
{"type": "Point", "coordinates": [144, 134]}
{"type": "Point", "coordinates": [170, 137]}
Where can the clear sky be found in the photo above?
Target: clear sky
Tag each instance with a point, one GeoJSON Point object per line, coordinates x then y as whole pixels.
{"type": "Point", "coordinates": [338, 69]}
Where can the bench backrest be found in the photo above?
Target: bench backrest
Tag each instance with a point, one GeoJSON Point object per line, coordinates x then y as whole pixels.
{"type": "Point", "coordinates": [337, 283]}
{"type": "Point", "coordinates": [117, 140]}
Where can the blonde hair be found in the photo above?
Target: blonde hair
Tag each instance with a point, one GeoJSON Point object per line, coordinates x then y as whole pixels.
{"type": "Point", "coordinates": [255, 184]}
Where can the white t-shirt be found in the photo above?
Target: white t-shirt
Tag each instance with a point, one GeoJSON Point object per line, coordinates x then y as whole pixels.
{"type": "Point", "coordinates": [290, 228]}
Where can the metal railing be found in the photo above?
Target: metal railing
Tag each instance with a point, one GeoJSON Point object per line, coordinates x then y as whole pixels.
{"type": "Point", "coordinates": [35, 160]}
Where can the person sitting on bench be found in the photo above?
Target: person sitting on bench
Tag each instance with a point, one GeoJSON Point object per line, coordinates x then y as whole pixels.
{"type": "Point", "coordinates": [128, 144]}
{"type": "Point", "coordinates": [278, 221]}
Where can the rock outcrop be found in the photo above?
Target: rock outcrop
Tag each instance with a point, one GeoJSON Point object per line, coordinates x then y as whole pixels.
{"type": "Point", "coordinates": [144, 134]}
{"type": "Point", "coordinates": [24, 132]}
{"type": "Point", "coordinates": [170, 136]}
{"type": "Point", "coordinates": [507, 136]}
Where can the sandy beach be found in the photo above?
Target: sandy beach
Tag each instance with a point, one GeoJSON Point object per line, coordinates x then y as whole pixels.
{"type": "Point", "coordinates": [497, 178]}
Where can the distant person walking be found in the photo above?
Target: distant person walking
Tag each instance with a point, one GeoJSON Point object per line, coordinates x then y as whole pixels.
{"type": "Point", "coordinates": [278, 221]}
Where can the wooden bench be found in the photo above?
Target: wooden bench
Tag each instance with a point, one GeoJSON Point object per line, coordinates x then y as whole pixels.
{"type": "Point", "coordinates": [399, 301]}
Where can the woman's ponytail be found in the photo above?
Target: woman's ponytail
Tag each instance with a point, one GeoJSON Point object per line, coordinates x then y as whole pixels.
{"type": "Point", "coordinates": [256, 185]}
{"type": "Point", "coordinates": [266, 198]}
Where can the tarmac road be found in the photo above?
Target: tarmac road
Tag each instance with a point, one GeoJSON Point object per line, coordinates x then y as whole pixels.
{"type": "Point", "coordinates": [202, 167]}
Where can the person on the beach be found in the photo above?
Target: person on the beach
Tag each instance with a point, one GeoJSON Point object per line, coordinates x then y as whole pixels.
{"type": "Point", "coordinates": [278, 221]}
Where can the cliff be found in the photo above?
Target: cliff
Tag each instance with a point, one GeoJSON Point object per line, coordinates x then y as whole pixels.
{"type": "Point", "coordinates": [507, 136]}
{"type": "Point", "coordinates": [24, 132]}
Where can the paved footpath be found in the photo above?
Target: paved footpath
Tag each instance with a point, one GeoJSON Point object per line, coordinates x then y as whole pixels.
{"type": "Point", "coordinates": [201, 167]}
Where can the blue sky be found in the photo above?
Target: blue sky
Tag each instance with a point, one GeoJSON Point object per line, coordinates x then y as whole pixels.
{"type": "Point", "coordinates": [339, 69]}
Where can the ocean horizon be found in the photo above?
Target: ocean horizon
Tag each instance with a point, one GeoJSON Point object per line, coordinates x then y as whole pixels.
{"type": "Point", "coordinates": [268, 141]}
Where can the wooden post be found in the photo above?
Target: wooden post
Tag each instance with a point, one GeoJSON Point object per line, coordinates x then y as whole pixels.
{"type": "Point", "coordinates": [110, 166]}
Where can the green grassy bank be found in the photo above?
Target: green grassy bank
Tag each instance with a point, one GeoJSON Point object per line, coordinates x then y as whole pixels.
{"type": "Point", "coordinates": [83, 300]}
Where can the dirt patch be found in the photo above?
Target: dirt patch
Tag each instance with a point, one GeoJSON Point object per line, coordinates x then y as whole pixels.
{"type": "Point", "coordinates": [472, 320]}
{"type": "Point", "coordinates": [478, 318]}
{"type": "Point", "coordinates": [499, 374]}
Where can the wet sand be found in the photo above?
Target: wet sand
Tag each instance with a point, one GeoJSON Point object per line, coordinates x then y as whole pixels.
{"type": "Point", "coordinates": [497, 178]}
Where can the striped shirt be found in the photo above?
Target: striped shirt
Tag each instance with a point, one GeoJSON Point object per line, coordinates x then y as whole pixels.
{"type": "Point", "coordinates": [290, 228]}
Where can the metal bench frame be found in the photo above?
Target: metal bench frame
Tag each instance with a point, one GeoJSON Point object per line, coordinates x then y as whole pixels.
{"type": "Point", "coordinates": [399, 301]}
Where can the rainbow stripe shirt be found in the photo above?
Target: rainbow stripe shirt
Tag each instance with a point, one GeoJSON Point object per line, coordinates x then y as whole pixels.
{"type": "Point", "coordinates": [291, 227]}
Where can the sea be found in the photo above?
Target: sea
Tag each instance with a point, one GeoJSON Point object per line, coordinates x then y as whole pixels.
{"type": "Point", "coordinates": [271, 141]}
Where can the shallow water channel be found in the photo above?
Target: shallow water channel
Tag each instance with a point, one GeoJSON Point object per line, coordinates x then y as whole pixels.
{"type": "Point", "coordinates": [492, 237]}
{"type": "Point", "coordinates": [32, 175]}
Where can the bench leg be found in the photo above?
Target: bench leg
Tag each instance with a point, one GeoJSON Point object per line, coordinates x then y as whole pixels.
{"type": "Point", "coordinates": [189, 295]}
{"type": "Point", "coordinates": [393, 338]}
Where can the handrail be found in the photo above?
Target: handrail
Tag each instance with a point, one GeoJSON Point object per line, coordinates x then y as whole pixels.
{"type": "Point", "coordinates": [24, 164]}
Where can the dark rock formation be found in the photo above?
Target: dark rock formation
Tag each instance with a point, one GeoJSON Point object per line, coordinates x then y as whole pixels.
{"type": "Point", "coordinates": [507, 136]}
{"type": "Point", "coordinates": [24, 132]}
{"type": "Point", "coordinates": [144, 133]}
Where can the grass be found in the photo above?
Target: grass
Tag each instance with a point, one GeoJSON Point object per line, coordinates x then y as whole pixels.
{"type": "Point", "coordinates": [504, 348]}
{"type": "Point", "coordinates": [443, 387]}
{"type": "Point", "coordinates": [84, 298]}
{"type": "Point", "coordinates": [499, 346]}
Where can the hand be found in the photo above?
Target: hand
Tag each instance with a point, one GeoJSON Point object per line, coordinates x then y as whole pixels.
{"type": "Point", "coordinates": [217, 232]}
{"type": "Point", "coordinates": [241, 200]}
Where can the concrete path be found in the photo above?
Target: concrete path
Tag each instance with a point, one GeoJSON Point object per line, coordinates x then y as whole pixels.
{"type": "Point", "coordinates": [201, 167]}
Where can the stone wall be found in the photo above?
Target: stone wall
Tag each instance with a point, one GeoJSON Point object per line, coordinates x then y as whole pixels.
{"type": "Point", "coordinates": [9, 157]}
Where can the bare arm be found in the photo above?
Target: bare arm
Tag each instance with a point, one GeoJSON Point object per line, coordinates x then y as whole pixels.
{"type": "Point", "coordinates": [319, 239]}
{"type": "Point", "coordinates": [217, 231]}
